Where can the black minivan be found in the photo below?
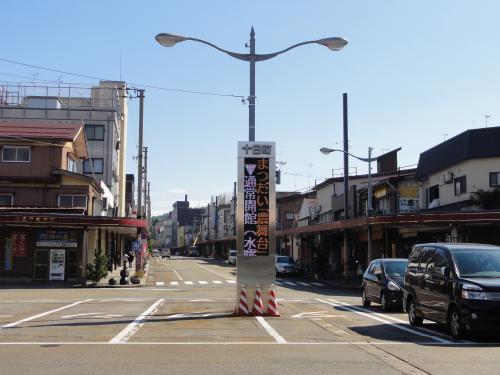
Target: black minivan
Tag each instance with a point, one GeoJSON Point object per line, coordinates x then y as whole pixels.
{"type": "Point", "coordinates": [456, 284]}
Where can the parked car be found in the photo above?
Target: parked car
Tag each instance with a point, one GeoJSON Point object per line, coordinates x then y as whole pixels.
{"type": "Point", "coordinates": [165, 253]}
{"type": "Point", "coordinates": [383, 283]}
{"type": "Point", "coordinates": [284, 264]}
{"type": "Point", "coordinates": [233, 257]}
{"type": "Point", "coordinates": [192, 251]}
{"type": "Point", "coordinates": [455, 284]}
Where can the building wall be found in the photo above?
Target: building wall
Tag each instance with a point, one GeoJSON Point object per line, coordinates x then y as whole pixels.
{"type": "Point", "coordinates": [477, 177]}
{"type": "Point", "coordinates": [38, 166]}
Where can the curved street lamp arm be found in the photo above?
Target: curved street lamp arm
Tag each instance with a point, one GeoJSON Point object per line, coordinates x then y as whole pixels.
{"type": "Point", "coordinates": [367, 160]}
{"type": "Point", "coordinates": [268, 56]}
{"type": "Point", "coordinates": [239, 56]}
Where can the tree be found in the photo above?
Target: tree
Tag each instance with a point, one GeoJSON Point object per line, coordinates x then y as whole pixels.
{"type": "Point", "coordinates": [486, 199]}
{"type": "Point", "coordinates": [99, 269]}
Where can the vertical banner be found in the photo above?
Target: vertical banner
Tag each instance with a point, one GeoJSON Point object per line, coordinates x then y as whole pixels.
{"type": "Point", "coordinates": [8, 254]}
{"type": "Point", "coordinates": [57, 264]}
{"type": "Point", "coordinates": [256, 214]}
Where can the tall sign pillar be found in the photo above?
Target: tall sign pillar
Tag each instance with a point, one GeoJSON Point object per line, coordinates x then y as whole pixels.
{"type": "Point", "coordinates": [256, 220]}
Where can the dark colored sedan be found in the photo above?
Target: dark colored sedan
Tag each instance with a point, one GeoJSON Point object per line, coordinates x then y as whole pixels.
{"type": "Point", "coordinates": [383, 283]}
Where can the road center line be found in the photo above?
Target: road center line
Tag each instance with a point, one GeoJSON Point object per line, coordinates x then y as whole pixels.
{"type": "Point", "coordinates": [10, 325]}
{"type": "Point", "coordinates": [133, 327]}
{"type": "Point", "coordinates": [209, 270]}
{"type": "Point", "coordinates": [272, 332]}
{"type": "Point", "coordinates": [369, 315]}
{"type": "Point", "coordinates": [177, 274]}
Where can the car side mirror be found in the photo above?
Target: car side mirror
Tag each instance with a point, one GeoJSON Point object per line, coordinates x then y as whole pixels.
{"type": "Point", "coordinates": [444, 271]}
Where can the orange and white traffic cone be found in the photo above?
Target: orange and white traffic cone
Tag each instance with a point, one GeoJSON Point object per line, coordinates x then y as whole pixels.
{"type": "Point", "coordinates": [272, 306]}
{"type": "Point", "coordinates": [258, 307]}
{"type": "Point", "coordinates": [242, 308]}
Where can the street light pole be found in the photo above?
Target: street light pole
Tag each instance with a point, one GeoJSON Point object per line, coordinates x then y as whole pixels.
{"type": "Point", "coordinates": [169, 40]}
{"type": "Point", "coordinates": [251, 98]}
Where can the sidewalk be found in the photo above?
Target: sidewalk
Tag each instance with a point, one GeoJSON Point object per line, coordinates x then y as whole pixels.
{"type": "Point", "coordinates": [104, 283]}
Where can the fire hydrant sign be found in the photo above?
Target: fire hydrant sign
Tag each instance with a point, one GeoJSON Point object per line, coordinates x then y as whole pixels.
{"type": "Point", "coordinates": [256, 213]}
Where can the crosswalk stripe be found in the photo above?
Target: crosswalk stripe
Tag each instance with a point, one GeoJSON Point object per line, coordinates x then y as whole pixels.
{"type": "Point", "coordinates": [231, 281]}
{"type": "Point", "coordinates": [290, 283]}
{"type": "Point", "coordinates": [318, 284]}
{"type": "Point", "coordinates": [278, 283]}
{"type": "Point", "coordinates": [217, 282]}
{"type": "Point", "coordinates": [160, 283]}
{"type": "Point", "coordinates": [174, 283]}
{"type": "Point", "coordinates": [303, 284]}
{"type": "Point", "coordinates": [188, 282]}
{"type": "Point", "coordinates": [203, 282]}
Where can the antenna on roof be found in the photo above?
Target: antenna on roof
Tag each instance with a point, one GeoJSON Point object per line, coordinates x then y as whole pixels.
{"type": "Point", "coordinates": [486, 117]}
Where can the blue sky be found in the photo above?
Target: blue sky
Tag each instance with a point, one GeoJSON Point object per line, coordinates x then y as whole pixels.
{"type": "Point", "coordinates": [414, 71]}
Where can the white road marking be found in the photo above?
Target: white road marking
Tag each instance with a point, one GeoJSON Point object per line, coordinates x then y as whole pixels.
{"type": "Point", "coordinates": [133, 327]}
{"type": "Point", "coordinates": [160, 283]}
{"type": "Point", "coordinates": [93, 315]}
{"type": "Point", "coordinates": [278, 283]}
{"type": "Point", "coordinates": [203, 282]}
{"type": "Point", "coordinates": [368, 314]}
{"type": "Point", "coordinates": [43, 314]}
{"type": "Point", "coordinates": [290, 283]}
{"type": "Point", "coordinates": [272, 332]}
{"type": "Point", "coordinates": [217, 282]}
{"type": "Point", "coordinates": [177, 274]}
{"type": "Point", "coordinates": [318, 284]}
{"type": "Point", "coordinates": [400, 321]}
{"type": "Point", "coordinates": [209, 270]}
{"type": "Point", "coordinates": [303, 284]}
{"type": "Point", "coordinates": [316, 315]}
{"type": "Point", "coordinates": [201, 300]}
{"type": "Point", "coordinates": [174, 283]}
{"type": "Point", "coordinates": [231, 281]}
{"type": "Point", "coordinates": [188, 282]}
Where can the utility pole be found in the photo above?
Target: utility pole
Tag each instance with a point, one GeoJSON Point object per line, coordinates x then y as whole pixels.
{"type": "Point", "coordinates": [347, 252]}
{"type": "Point", "coordinates": [149, 202]}
{"type": "Point", "coordinates": [139, 167]}
{"type": "Point", "coordinates": [145, 182]}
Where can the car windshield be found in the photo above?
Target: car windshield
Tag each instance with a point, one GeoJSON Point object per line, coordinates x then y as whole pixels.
{"type": "Point", "coordinates": [477, 263]}
{"type": "Point", "coordinates": [395, 268]}
{"type": "Point", "coordinates": [284, 260]}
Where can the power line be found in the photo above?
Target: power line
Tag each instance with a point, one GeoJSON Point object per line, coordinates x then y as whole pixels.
{"type": "Point", "coordinates": [243, 98]}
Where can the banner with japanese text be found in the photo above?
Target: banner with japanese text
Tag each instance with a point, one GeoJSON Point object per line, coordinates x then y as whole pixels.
{"type": "Point", "coordinates": [256, 199]}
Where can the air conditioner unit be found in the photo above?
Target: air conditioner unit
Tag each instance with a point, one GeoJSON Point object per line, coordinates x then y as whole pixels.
{"type": "Point", "coordinates": [448, 177]}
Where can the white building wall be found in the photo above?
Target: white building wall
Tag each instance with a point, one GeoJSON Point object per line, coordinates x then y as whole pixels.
{"type": "Point", "coordinates": [477, 177]}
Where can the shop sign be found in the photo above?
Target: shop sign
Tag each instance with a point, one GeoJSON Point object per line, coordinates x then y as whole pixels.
{"type": "Point", "coordinates": [57, 264]}
{"type": "Point", "coordinates": [57, 238]}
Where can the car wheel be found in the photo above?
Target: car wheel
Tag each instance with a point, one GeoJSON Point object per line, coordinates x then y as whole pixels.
{"type": "Point", "coordinates": [366, 302]}
{"type": "Point", "coordinates": [455, 324]}
{"type": "Point", "coordinates": [413, 318]}
{"type": "Point", "coordinates": [383, 302]}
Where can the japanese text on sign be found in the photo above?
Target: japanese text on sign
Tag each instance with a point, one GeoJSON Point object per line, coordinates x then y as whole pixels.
{"type": "Point", "coordinates": [256, 207]}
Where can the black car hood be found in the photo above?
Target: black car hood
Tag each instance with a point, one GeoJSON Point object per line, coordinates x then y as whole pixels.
{"type": "Point", "coordinates": [489, 284]}
{"type": "Point", "coordinates": [398, 280]}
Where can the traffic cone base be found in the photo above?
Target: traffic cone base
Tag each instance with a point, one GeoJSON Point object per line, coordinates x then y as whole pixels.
{"type": "Point", "coordinates": [258, 307]}
{"type": "Point", "coordinates": [272, 306]}
{"type": "Point", "coordinates": [242, 308]}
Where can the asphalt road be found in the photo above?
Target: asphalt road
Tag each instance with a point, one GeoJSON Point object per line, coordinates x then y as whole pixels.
{"type": "Point", "coordinates": [182, 323]}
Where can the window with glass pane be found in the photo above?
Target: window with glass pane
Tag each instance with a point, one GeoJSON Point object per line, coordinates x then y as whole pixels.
{"type": "Point", "coordinates": [80, 201]}
{"type": "Point", "coordinates": [9, 154]}
{"type": "Point", "coordinates": [23, 154]}
{"type": "Point", "coordinates": [94, 132]}
{"type": "Point", "coordinates": [71, 165]}
{"type": "Point", "coordinates": [494, 179]}
{"type": "Point", "coordinates": [66, 201]}
{"type": "Point", "coordinates": [460, 186]}
{"type": "Point", "coordinates": [97, 164]}
{"type": "Point", "coordinates": [6, 199]}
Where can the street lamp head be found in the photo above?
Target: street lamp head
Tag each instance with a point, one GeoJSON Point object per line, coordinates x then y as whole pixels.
{"type": "Point", "coordinates": [326, 150]}
{"type": "Point", "coordinates": [169, 40]}
{"type": "Point", "coordinates": [334, 44]}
